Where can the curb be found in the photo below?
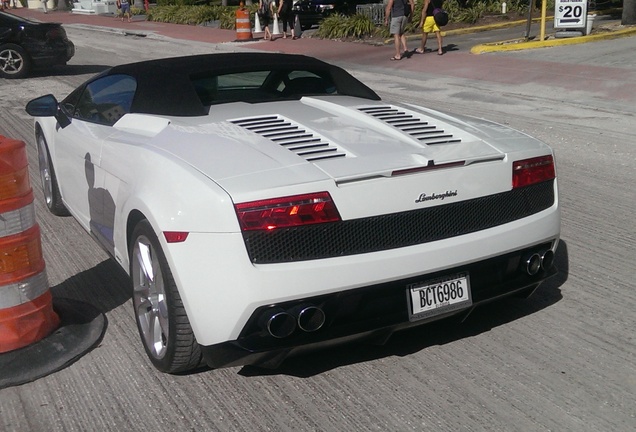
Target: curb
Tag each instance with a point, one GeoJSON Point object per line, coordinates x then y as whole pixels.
{"type": "Point", "coordinates": [520, 44]}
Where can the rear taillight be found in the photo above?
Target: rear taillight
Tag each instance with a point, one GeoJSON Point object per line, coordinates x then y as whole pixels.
{"type": "Point", "coordinates": [531, 171]}
{"type": "Point", "coordinates": [56, 33]}
{"type": "Point", "coordinates": [285, 212]}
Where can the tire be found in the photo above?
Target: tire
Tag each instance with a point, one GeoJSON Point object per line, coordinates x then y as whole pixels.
{"type": "Point", "coordinates": [14, 61]}
{"type": "Point", "coordinates": [50, 188]}
{"type": "Point", "coordinates": [162, 322]}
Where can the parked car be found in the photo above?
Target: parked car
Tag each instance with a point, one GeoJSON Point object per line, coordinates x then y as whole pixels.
{"type": "Point", "coordinates": [27, 44]}
{"type": "Point", "coordinates": [311, 12]}
{"type": "Point", "coordinates": [269, 204]}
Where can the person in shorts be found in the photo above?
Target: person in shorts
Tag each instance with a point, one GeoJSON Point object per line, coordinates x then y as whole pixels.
{"type": "Point", "coordinates": [125, 9]}
{"type": "Point", "coordinates": [428, 25]}
{"type": "Point", "coordinates": [399, 19]}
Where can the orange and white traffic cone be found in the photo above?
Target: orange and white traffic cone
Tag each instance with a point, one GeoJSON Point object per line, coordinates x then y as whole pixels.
{"type": "Point", "coordinates": [39, 334]}
{"type": "Point", "coordinates": [243, 24]}
{"type": "Point", "coordinates": [26, 309]}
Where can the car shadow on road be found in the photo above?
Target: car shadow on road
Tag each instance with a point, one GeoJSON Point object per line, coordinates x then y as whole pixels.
{"type": "Point", "coordinates": [68, 70]}
{"type": "Point", "coordinates": [404, 343]}
{"type": "Point", "coordinates": [104, 286]}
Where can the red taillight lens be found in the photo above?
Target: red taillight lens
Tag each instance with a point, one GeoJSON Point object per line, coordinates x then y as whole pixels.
{"type": "Point", "coordinates": [287, 212]}
{"type": "Point", "coordinates": [530, 171]}
{"type": "Point", "coordinates": [56, 33]}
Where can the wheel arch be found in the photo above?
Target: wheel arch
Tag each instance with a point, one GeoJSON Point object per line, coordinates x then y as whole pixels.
{"type": "Point", "coordinates": [134, 217]}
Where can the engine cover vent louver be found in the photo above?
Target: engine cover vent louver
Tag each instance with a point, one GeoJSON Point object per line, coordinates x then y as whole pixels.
{"type": "Point", "coordinates": [411, 124]}
{"type": "Point", "coordinates": [305, 143]}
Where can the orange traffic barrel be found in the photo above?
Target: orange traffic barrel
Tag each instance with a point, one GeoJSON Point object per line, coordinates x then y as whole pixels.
{"type": "Point", "coordinates": [26, 308]}
{"type": "Point", "coordinates": [243, 24]}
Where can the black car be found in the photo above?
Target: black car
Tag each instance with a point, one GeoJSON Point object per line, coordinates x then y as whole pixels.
{"type": "Point", "coordinates": [26, 44]}
{"type": "Point", "coordinates": [311, 12]}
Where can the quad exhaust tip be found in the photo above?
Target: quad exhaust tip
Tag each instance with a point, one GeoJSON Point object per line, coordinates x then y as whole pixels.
{"type": "Point", "coordinates": [547, 259]}
{"type": "Point", "coordinates": [283, 323]}
{"type": "Point", "coordinates": [533, 264]}
{"type": "Point", "coordinates": [539, 261]}
{"type": "Point", "coordinates": [311, 319]}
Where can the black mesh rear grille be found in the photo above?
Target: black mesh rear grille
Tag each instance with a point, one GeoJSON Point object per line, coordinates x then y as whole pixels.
{"type": "Point", "coordinates": [398, 229]}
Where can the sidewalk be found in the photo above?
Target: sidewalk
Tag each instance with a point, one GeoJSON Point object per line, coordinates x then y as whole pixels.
{"type": "Point", "coordinates": [560, 73]}
{"type": "Point", "coordinates": [498, 37]}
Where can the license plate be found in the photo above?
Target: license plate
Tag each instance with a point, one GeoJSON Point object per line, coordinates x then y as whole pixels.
{"type": "Point", "coordinates": [439, 296]}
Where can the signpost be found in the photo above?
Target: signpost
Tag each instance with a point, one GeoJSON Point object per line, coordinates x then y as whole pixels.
{"type": "Point", "coordinates": [570, 14]}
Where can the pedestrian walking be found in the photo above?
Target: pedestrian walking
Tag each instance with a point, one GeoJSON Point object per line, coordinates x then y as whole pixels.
{"type": "Point", "coordinates": [400, 13]}
{"type": "Point", "coordinates": [45, 6]}
{"type": "Point", "coordinates": [265, 12]}
{"type": "Point", "coordinates": [428, 25]}
{"type": "Point", "coordinates": [125, 9]}
{"type": "Point", "coordinates": [286, 14]}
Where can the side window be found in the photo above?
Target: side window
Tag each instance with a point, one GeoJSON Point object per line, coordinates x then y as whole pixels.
{"type": "Point", "coordinates": [106, 100]}
{"type": "Point", "coordinates": [70, 102]}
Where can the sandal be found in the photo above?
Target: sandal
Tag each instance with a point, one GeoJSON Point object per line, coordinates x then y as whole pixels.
{"type": "Point", "coordinates": [440, 52]}
{"type": "Point", "coordinates": [420, 50]}
{"type": "Point", "coordinates": [395, 58]}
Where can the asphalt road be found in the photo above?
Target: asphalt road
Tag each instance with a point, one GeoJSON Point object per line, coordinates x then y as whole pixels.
{"type": "Point", "coordinates": [563, 360]}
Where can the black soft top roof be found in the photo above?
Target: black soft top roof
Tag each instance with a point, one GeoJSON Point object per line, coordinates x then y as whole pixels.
{"type": "Point", "coordinates": [164, 86]}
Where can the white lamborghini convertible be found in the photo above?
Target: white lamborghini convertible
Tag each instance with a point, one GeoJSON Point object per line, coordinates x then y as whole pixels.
{"type": "Point", "coordinates": [267, 204]}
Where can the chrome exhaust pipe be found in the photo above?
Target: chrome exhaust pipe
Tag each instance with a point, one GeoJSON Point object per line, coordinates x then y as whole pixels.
{"type": "Point", "coordinates": [547, 259]}
{"type": "Point", "coordinates": [310, 318]}
{"type": "Point", "coordinates": [533, 264]}
{"type": "Point", "coordinates": [280, 324]}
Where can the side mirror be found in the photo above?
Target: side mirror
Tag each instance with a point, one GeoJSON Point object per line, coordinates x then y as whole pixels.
{"type": "Point", "coordinates": [47, 106]}
{"type": "Point", "coordinates": [44, 106]}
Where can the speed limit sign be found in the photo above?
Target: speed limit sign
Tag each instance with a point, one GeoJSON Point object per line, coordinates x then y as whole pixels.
{"type": "Point", "coordinates": [570, 13]}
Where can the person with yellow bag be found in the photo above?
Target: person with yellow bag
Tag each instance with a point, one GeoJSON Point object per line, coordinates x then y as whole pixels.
{"type": "Point", "coordinates": [429, 24]}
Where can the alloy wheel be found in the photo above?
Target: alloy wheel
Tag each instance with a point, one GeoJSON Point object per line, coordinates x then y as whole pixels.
{"type": "Point", "coordinates": [45, 171]}
{"type": "Point", "coordinates": [11, 61]}
{"type": "Point", "coordinates": [149, 297]}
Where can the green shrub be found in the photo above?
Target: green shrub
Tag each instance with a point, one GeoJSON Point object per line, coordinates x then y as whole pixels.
{"type": "Point", "coordinates": [227, 18]}
{"type": "Point", "coordinates": [340, 26]}
{"type": "Point", "coordinates": [186, 14]}
{"type": "Point", "coordinates": [195, 15]}
{"type": "Point", "coordinates": [137, 11]}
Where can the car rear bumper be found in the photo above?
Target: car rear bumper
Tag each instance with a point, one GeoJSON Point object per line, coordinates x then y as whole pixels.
{"type": "Point", "coordinates": [371, 313]}
{"type": "Point", "coordinates": [55, 54]}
